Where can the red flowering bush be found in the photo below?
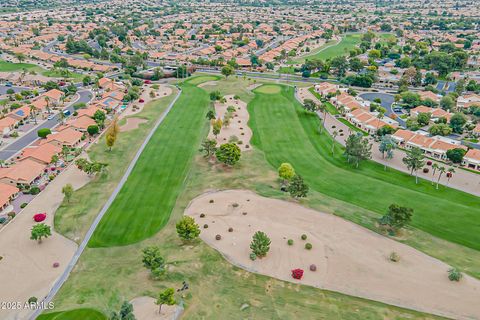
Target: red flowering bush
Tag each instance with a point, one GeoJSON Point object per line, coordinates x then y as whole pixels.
{"type": "Point", "coordinates": [429, 163]}
{"type": "Point", "coordinates": [39, 217]}
{"type": "Point", "coordinates": [297, 274]}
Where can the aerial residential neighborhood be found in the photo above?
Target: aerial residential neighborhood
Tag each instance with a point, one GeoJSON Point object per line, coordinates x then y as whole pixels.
{"type": "Point", "coordinates": [239, 159]}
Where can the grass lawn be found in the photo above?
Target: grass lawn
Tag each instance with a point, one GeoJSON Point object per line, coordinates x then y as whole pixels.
{"type": "Point", "coordinates": [77, 314]}
{"type": "Point", "coordinates": [351, 126]}
{"type": "Point", "coordinates": [348, 42]}
{"type": "Point", "coordinates": [145, 202]}
{"type": "Point", "coordinates": [6, 66]}
{"type": "Point", "coordinates": [330, 107]}
{"type": "Point", "coordinates": [57, 74]}
{"type": "Point", "coordinates": [74, 219]}
{"type": "Point", "coordinates": [445, 213]}
{"type": "Point", "coordinates": [105, 277]}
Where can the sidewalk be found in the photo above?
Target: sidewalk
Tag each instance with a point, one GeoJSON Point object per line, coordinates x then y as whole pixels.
{"type": "Point", "coordinates": [462, 180]}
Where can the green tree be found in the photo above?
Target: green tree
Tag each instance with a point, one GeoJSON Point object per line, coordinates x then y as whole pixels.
{"type": "Point", "coordinates": [457, 121]}
{"type": "Point", "coordinates": [153, 261]}
{"type": "Point", "coordinates": [441, 171]}
{"type": "Point", "coordinates": [165, 297]}
{"type": "Point", "coordinates": [310, 105]}
{"type": "Point", "coordinates": [357, 149]}
{"type": "Point", "coordinates": [423, 118]}
{"type": "Point", "coordinates": [44, 132]}
{"type": "Point", "coordinates": [40, 231]}
{"type": "Point", "coordinates": [414, 160]}
{"type": "Point", "coordinates": [447, 103]}
{"type": "Point", "coordinates": [440, 129]}
{"type": "Point", "coordinates": [456, 155]}
{"type": "Point", "coordinates": [297, 187]}
{"type": "Point", "coordinates": [210, 115]}
{"type": "Point", "coordinates": [386, 147]}
{"type": "Point", "coordinates": [260, 244]}
{"type": "Point", "coordinates": [397, 216]}
{"type": "Point", "coordinates": [187, 229]}
{"type": "Point", "coordinates": [208, 147]}
{"type": "Point", "coordinates": [228, 70]}
{"type": "Point", "coordinates": [286, 171]}
{"type": "Point", "coordinates": [99, 116]}
{"type": "Point", "coordinates": [67, 191]}
{"type": "Point", "coordinates": [228, 153]}
{"type": "Point", "coordinates": [86, 80]}
{"type": "Point", "coordinates": [93, 130]}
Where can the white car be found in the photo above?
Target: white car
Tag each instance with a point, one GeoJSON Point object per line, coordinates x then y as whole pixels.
{"type": "Point", "coordinates": [50, 117]}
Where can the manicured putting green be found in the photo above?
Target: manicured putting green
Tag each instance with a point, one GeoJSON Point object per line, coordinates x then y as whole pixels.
{"type": "Point", "coordinates": [197, 80]}
{"type": "Point", "coordinates": [287, 133]}
{"type": "Point", "coordinates": [144, 204]}
{"type": "Point", "coordinates": [76, 314]}
{"type": "Point", "coordinates": [268, 89]}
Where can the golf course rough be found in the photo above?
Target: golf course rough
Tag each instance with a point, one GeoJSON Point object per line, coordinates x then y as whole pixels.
{"type": "Point", "coordinates": [285, 132]}
{"type": "Point", "coordinates": [144, 203]}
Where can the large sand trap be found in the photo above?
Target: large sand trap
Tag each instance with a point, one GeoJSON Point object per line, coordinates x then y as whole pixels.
{"type": "Point", "coordinates": [26, 269]}
{"type": "Point", "coordinates": [132, 123]}
{"type": "Point", "coordinates": [349, 258]}
{"type": "Point", "coordinates": [238, 123]}
{"type": "Point", "coordinates": [144, 308]}
{"type": "Point", "coordinates": [163, 91]}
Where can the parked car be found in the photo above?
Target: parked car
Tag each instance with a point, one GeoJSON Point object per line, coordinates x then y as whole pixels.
{"type": "Point", "coordinates": [50, 117]}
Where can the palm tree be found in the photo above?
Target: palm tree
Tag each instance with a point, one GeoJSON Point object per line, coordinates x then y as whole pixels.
{"type": "Point", "coordinates": [47, 100]}
{"type": "Point", "coordinates": [435, 166]}
{"type": "Point", "coordinates": [323, 109]}
{"type": "Point", "coordinates": [441, 171]}
{"type": "Point", "coordinates": [450, 173]}
{"type": "Point", "coordinates": [334, 135]}
{"type": "Point", "coordinates": [33, 113]}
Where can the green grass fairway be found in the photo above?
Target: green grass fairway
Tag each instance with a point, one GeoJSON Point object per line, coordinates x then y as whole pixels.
{"type": "Point", "coordinates": [145, 202]}
{"type": "Point", "coordinates": [197, 80]}
{"type": "Point", "coordinates": [6, 66]}
{"type": "Point", "coordinates": [348, 42]}
{"type": "Point", "coordinates": [77, 314]}
{"type": "Point", "coordinates": [286, 133]}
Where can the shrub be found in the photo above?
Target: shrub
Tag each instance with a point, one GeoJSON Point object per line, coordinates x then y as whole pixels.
{"type": "Point", "coordinates": [253, 256]}
{"type": "Point", "coordinates": [1, 258]}
{"type": "Point", "coordinates": [230, 229]}
{"type": "Point", "coordinates": [228, 153]}
{"type": "Point", "coordinates": [39, 217]}
{"type": "Point", "coordinates": [93, 130]}
{"type": "Point", "coordinates": [202, 215]}
{"type": "Point", "coordinates": [308, 246]}
{"type": "Point", "coordinates": [56, 265]}
{"type": "Point", "coordinates": [260, 244]}
{"type": "Point", "coordinates": [313, 267]}
{"type": "Point", "coordinates": [32, 300]}
{"type": "Point", "coordinates": [44, 132]}
{"type": "Point", "coordinates": [304, 237]}
{"type": "Point", "coordinates": [297, 274]}
{"type": "Point", "coordinates": [211, 201]}
{"type": "Point", "coordinates": [34, 190]}
{"type": "Point", "coordinates": [153, 261]}
{"type": "Point", "coordinates": [290, 242]}
{"type": "Point", "coordinates": [218, 237]}
{"type": "Point", "coordinates": [11, 215]}
{"type": "Point", "coordinates": [205, 226]}
{"type": "Point", "coordinates": [297, 187]}
{"type": "Point", "coordinates": [286, 171]}
{"type": "Point", "coordinates": [454, 274]}
{"type": "Point", "coordinates": [425, 170]}
{"type": "Point", "coordinates": [187, 229]}
{"type": "Point", "coordinates": [394, 257]}
{"type": "Point", "coordinates": [234, 204]}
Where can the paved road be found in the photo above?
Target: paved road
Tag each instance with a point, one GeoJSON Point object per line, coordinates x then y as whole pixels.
{"type": "Point", "coordinates": [27, 139]}
{"type": "Point", "coordinates": [60, 281]}
{"type": "Point", "coordinates": [4, 89]}
{"type": "Point", "coordinates": [387, 101]}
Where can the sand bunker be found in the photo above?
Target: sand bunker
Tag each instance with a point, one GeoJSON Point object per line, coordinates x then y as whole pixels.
{"type": "Point", "coordinates": [132, 123]}
{"type": "Point", "coordinates": [163, 91]}
{"type": "Point", "coordinates": [349, 259]}
{"type": "Point", "coordinates": [144, 308]}
{"type": "Point", "coordinates": [26, 269]}
{"type": "Point", "coordinates": [238, 129]}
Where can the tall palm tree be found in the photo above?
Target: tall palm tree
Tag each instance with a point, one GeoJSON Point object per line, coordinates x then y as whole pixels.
{"type": "Point", "coordinates": [334, 135]}
{"type": "Point", "coordinates": [450, 173]}
{"type": "Point", "coordinates": [33, 113]}
{"type": "Point", "coordinates": [323, 108]}
{"type": "Point", "coordinates": [47, 100]}
{"type": "Point", "coordinates": [441, 171]}
{"type": "Point", "coordinates": [435, 167]}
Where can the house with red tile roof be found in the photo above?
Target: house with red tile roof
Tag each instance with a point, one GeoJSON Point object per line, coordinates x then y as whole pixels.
{"type": "Point", "coordinates": [435, 113]}
{"type": "Point", "coordinates": [472, 159]}
{"type": "Point", "coordinates": [325, 88]}
{"type": "Point", "coordinates": [68, 137]}
{"type": "Point", "coordinates": [7, 194]}
{"type": "Point", "coordinates": [80, 123]}
{"type": "Point", "coordinates": [22, 173]}
{"type": "Point", "coordinates": [42, 154]}
{"type": "Point", "coordinates": [7, 124]}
